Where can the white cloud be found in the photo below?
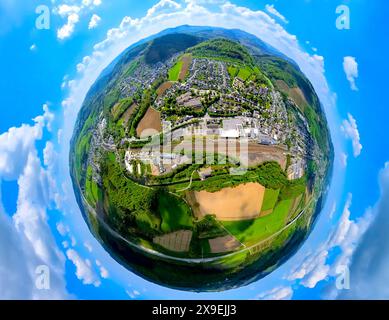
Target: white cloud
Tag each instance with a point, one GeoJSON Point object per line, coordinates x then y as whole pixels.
{"type": "Point", "coordinates": [65, 10]}
{"type": "Point", "coordinates": [103, 271]}
{"type": "Point", "coordinates": [272, 10]}
{"type": "Point", "coordinates": [350, 67]}
{"type": "Point", "coordinates": [62, 229]}
{"type": "Point", "coordinates": [94, 22]}
{"type": "Point", "coordinates": [84, 269]}
{"type": "Point", "coordinates": [88, 3]}
{"type": "Point", "coordinates": [26, 241]}
{"type": "Point", "coordinates": [67, 30]}
{"type": "Point", "coordinates": [73, 13]}
{"type": "Point", "coordinates": [163, 7]}
{"type": "Point", "coordinates": [33, 47]}
{"type": "Point", "coordinates": [343, 159]}
{"type": "Point", "coordinates": [133, 294]}
{"type": "Point", "coordinates": [350, 130]}
{"type": "Point", "coordinates": [88, 246]}
{"type": "Point", "coordinates": [278, 293]}
{"type": "Point", "coordinates": [18, 143]}
{"type": "Point", "coordinates": [345, 236]}
{"type": "Point", "coordinates": [369, 268]}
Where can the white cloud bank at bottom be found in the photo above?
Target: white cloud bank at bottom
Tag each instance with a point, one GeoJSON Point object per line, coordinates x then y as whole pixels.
{"type": "Point", "coordinates": [26, 240]}
{"type": "Point", "coordinates": [369, 276]}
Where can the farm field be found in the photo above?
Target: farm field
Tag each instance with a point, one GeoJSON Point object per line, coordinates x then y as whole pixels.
{"type": "Point", "coordinates": [92, 191]}
{"type": "Point", "coordinates": [175, 71]}
{"type": "Point", "coordinates": [176, 241]}
{"type": "Point", "coordinates": [229, 204]}
{"type": "Point", "coordinates": [128, 113]}
{"type": "Point", "coordinates": [224, 244]}
{"type": "Point", "coordinates": [251, 232]}
{"type": "Point", "coordinates": [245, 73]}
{"type": "Point", "coordinates": [295, 93]}
{"type": "Point", "coordinates": [150, 123]}
{"type": "Point", "coordinates": [186, 62]}
{"type": "Point", "coordinates": [175, 213]}
{"type": "Point", "coordinates": [269, 201]}
{"type": "Point", "coordinates": [164, 87]}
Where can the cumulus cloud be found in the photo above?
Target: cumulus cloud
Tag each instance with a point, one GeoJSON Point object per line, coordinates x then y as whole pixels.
{"type": "Point", "coordinates": [86, 271]}
{"type": "Point", "coordinates": [343, 159]}
{"type": "Point", "coordinates": [163, 6]}
{"type": "Point", "coordinates": [350, 67]}
{"type": "Point", "coordinates": [94, 22]}
{"type": "Point", "coordinates": [103, 271]}
{"type": "Point", "coordinates": [350, 130]}
{"type": "Point", "coordinates": [26, 241]}
{"type": "Point", "coordinates": [72, 13]}
{"type": "Point", "coordinates": [67, 30]}
{"type": "Point", "coordinates": [18, 143]}
{"type": "Point", "coordinates": [278, 293]}
{"type": "Point", "coordinates": [84, 268]}
{"type": "Point", "coordinates": [369, 268]}
{"type": "Point", "coordinates": [272, 10]}
{"type": "Point", "coordinates": [345, 236]}
{"type": "Point", "coordinates": [133, 294]}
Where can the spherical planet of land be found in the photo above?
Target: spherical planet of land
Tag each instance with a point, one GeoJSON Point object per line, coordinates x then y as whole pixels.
{"type": "Point", "coordinates": [200, 158]}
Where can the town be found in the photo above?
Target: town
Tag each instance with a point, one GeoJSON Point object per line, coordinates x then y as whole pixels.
{"type": "Point", "coordinates": [212, 104]}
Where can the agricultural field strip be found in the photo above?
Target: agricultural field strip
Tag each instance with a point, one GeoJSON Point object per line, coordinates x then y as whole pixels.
{"type": "Point", "coordinates": [221, 224]}
{"type": "Point", "coordinates": [162, 255]}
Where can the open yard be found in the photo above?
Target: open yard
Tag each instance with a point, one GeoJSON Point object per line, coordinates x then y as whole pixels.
{"type": "Point", "coordinates": [150, 124]}
{"type": "Point", "coordinates": [230, 204]}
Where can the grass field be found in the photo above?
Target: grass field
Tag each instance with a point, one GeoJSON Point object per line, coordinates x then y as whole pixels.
{"type": "Point", "coordinates": [92, 192]}
{"type": "Point", "coordinates": [245, 73]}
{"type": "Point", "coordinates": [175, 213]}
{"type": "Point", "coordinates": [175, 71]}
{"type": "Point", "coordinates": [233, 71]}
{"type": "Point", "coordinates": [270, 199]}
{"type": "Point", "coordinates": [253, 231]}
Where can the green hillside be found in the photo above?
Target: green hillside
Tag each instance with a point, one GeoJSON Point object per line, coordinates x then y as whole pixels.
{"type": "Point", "coordinates": [165, 47]}
{"type": "Point", "coordinates": [222, 49]}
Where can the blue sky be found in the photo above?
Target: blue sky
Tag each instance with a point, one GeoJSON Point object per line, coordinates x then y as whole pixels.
{"type": "Point", "coordinates": [48, 67]}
